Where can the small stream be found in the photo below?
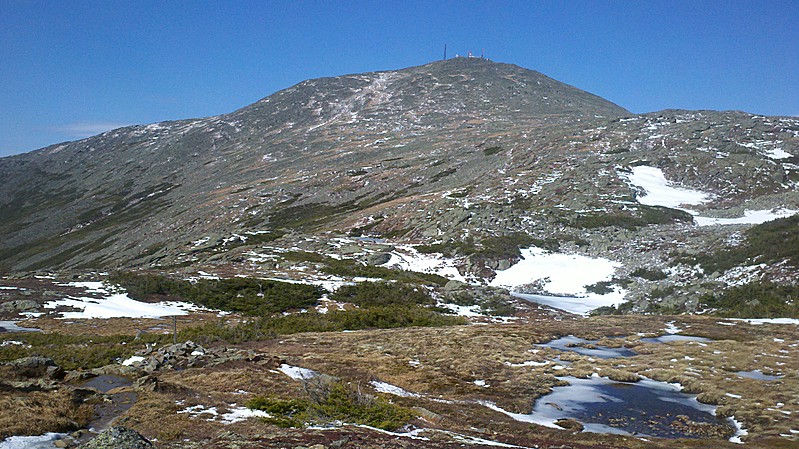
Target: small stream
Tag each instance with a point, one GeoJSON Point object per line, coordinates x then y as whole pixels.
{"type": "Point", "coordinates": [116, 403]}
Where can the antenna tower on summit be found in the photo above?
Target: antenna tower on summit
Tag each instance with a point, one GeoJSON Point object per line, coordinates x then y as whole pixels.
{"type": "Point", "coordinates": [445, 52]}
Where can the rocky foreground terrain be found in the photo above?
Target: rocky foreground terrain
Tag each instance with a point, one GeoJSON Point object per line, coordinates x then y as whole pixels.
{"type": "Point", "coordinates": [348, 261]}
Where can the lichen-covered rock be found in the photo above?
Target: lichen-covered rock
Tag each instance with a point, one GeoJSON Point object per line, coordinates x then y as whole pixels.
{"type": "Point", "coordinates": [36, 366]}
{"type": "Point", "coordinates": [118, 437]}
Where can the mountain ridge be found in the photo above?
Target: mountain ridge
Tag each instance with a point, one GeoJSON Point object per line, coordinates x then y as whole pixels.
{"type": "Point", "coordinates": [443, 152]}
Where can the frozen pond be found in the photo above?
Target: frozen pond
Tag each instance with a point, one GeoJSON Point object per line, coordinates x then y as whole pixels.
{"type": "Point", "coordinates": [674, 337]}
{"type": "Point", "coordinates": [645, 408]}
{"type": "Point", "coordinates": [586, 347]}
{"type": "Point", "coordinates": [11, 326]}
{"type": "Point", "coordinates": [572, 304]}
{"type": "Point", "coordinates": [758, 375]}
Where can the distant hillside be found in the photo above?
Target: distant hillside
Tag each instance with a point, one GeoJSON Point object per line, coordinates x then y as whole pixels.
{"type": "Point", "coordinates": [465, 154]}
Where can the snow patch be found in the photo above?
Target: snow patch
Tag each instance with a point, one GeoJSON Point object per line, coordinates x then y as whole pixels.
{"type": "Point", "coordinates": [133, 359]}
{"type": "Point", "coordinates": [739, 432]}
{"type": "Point", "coordinates": [297, 373]}
{"type": "Point", "coordinates": [242, 413]}
{"type": "Point", "coordinates": [115, 305]}
{"type": "Point", "coordinates": [793, 321]}
{"type": "Point", "coordinates": [406, 257]}
{"type": "Point", "coordinates": [750, 217]}
{"type": "Point", "coordinates": [32, 442]}
{"type": "Point", "coordinates": [119, 306]}
{"type": "Point", "coordinates": [383, 387]}
{"type": "Point", "coordinates": [660, 192]}
{"type": "Point", "coordinates": [778, 153]}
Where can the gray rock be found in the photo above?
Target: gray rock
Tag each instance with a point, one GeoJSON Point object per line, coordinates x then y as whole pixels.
{"type": "Point", "coordinates": [35, 366]}
{"type": "Point", "coordinates": [378, 258]}
{"type": "Point", "coordinates": [118, 437]}
{"type": "Point", "coordinates": [454, 285]}
{"type": "Point", "coordinates": [19, 305]}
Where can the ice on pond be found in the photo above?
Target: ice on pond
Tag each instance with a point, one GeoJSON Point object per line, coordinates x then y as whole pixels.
{"type": "Point", "coordinates": [586, 347]}
{"type": "Point", "coordinates": [674, 337]}
{"type": "Point", "coordinates": [11, 326]}
{"type": "Point", "coordinates": [645, 408]}
{"type": "Point", "coordinates": [758, 375]}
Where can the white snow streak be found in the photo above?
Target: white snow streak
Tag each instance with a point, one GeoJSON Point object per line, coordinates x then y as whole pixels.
{"type": "Point", "coordinates": [384, 387]}
{"type": "Point", "coordinates": [297, 373]}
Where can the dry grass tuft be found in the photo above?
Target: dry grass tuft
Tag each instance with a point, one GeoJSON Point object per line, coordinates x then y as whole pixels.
{"type": "Point", "coordinates": [40, 412]}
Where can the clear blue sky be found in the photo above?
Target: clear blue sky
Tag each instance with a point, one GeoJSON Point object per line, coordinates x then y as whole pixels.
{"type": "Point", "coordinates": [73, 68]}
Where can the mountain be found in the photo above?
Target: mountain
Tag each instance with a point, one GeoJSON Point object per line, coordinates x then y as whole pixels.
{"type": "Point", "coordinates": [473, 158]}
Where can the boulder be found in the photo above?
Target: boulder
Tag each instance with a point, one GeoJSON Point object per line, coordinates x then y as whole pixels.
{"type": "Point", "coordinates": [378, 258]}
{"type": "Point", "coordinates": [118, 437]}
{"type": "Point", "coordinates": [36, 366]}
{"type": "Point", "coordinates": [19, 305]}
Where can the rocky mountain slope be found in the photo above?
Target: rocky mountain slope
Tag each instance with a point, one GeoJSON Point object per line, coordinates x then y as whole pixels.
{"type": "Point", "coordinates": [470, 158]}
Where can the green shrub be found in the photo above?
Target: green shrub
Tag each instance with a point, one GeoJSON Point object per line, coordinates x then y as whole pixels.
{"type": "Point", "coordinates": [650, 275]}
{"type": "Point", "coordinates": [353, 268]}
{"type": "Point", "coordinates": [659, 293]}
{"type": "Point", "coordinates": [337, 402]}
{"type": "Point", "coordinates": [367, 294]}
{"type": "Point", "coordinates": [621, 309]}
{"type": "Point", "coordinates": [441, 175]}
{"type": "Point", "coordinates": [770, 242]}
{"type": "Point", "coordinates": [283, 412]}
{"type": "Point", "coordinates": [755, 300]}
{"type": "Point", "coordinates": [267, 328]}
{"type": "Point", "coordinates": [490, 304]}
{"type": "Point", "coordinates": [250, 296]}
{"type": "Point", "coordinates": [600, 288]}
{"type": "Point", "coordinates": [643, 216]}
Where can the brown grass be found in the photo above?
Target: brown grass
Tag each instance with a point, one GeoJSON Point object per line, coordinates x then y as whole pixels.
{"type": "Point", "coordinates": [40, 412]}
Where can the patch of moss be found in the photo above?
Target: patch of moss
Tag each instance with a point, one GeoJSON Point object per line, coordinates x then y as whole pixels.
{"type": "Point", "coordinates": [491, 151]}
{"type": "Point", "coordinates": [338, 402]}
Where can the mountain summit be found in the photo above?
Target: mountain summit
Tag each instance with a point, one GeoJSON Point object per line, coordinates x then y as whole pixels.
{"type": "Point", "coordinates": [69, 202]}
